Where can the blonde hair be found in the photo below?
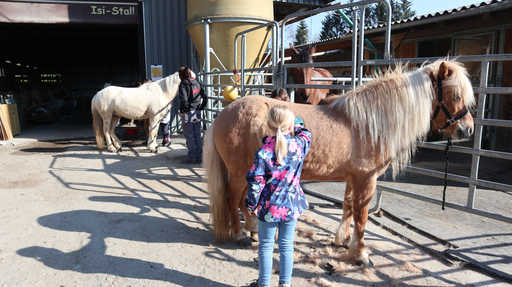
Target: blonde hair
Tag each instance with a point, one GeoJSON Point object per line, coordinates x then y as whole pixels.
{"type": "Point", "coordinates": [280, 117]}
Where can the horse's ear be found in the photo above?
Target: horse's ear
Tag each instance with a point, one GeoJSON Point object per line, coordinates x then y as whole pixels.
{"type": "Point", "coordinates": [312, 50]}
{"type": "Point", "coordinates": [294, 52]}
{"type": "Point", "coordinates": [443, 71]}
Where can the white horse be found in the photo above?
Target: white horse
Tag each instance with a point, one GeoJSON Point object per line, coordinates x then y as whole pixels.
{"type": "Point", "coordinates": [149, 101]}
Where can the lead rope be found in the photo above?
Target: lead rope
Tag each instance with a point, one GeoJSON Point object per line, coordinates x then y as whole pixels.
{"type": "Point", "coordinates": [446, 150]}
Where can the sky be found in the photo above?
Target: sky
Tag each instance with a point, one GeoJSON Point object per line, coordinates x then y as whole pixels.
{"type": "Point", "coordinates": [421, 7]}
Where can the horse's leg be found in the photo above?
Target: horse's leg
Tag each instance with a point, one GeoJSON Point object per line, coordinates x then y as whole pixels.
{"type": "Point", "coordinates": [107, 120]}
{"type": "Point", "coordinates": [116, 142]}
{"type": "Point", "coordinates": [363, 191]}
{"type": "Point", "coordinates": [343, 232]}
{"type": "Point", "coordinates": [236, 186]}
{"type": "Point", "coordinates": [251, 222]}
{"type": "Point", "coordinates": [146, 127]}
{"type": "Point", "coordinates": [152, 134]}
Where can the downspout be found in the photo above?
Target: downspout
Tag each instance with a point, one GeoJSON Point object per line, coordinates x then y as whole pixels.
{"type": "Point", "coordinates": [345, 17]}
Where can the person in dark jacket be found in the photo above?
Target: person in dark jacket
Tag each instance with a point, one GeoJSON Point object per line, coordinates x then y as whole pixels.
{"type": "Point", "coordinates": [193, 101]}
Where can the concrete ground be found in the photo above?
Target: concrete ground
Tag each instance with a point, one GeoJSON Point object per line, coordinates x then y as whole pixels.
{"type": "Point", "coordinates": [468, 243]}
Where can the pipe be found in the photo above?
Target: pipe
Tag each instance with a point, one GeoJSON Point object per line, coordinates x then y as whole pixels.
{"type": "Point", "coordinates": [345, 17]}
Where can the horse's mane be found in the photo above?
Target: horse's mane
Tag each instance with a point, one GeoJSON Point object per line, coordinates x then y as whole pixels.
{"type": "Point", "coordinates": [168, 84]}
{"type": "Point", "coordinates": [394, 110]}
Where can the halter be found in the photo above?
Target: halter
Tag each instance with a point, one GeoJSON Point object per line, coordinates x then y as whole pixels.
{"type": "Point", "coordinates": [440, 105]}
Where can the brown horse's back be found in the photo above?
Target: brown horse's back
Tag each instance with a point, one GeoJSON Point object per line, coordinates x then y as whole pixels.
{"type": "Point", "coordinates": [237, 134]}
{"type": "Point", "coordinates": [239, 129]}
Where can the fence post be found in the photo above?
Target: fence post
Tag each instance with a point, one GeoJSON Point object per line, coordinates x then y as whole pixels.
{"type": "Point", "coordinates": [477, 144]}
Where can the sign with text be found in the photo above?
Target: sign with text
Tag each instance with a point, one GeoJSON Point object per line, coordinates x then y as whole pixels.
{"type": "Point", "coordinates": [18, 12]}
{"type": "Point", "coordinates": [156, 72]}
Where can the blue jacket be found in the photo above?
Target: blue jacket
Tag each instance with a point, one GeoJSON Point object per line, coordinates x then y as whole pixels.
{"type": "Point", "coordinates": [274, 189]}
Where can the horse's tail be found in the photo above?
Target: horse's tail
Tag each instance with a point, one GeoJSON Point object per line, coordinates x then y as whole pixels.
{"type": "Point", "coordinates": [97, 125]}
{"type": "Point", "coordinates": [217, 182]}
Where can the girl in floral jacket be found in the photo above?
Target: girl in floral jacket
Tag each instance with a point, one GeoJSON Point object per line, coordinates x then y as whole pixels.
{"type": "Point", "coordinates": [275, 194]}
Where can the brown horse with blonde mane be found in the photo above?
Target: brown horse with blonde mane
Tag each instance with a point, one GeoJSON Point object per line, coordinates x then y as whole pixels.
{"type": "Point", "coordinates": [354, 138]}
{"type": "Point", "coordinates": [303, 76]}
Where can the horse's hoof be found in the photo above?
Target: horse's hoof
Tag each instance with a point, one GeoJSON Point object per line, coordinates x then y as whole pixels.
{"type": "Point", "coordinates": [245, 242]}
{"type": "Point", "coordinates": [254, 236]}
{"type": "Point", "coordinates": [366, 262]}
{"type": "Point", "coordinates": [345, 246]}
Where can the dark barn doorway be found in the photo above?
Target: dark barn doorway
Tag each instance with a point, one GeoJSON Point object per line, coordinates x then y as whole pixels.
{"type": "Point", "coordinates": [66, 63]}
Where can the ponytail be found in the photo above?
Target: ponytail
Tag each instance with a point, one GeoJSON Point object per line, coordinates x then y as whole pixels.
{"type": "Point", "coordinates": [281, 146]}
{"type": "Point", "coordinates": [280, 117]}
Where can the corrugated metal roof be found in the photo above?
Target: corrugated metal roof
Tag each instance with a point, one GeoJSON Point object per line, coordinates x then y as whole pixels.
{"type": "Point", "coordinates": [282, 8]}
{"type": "Point", "coordinates": [472, 7]}
{"type": "Point", "coordinates": [307, 2]}
{"type": "Point", "coordinates": [480, 7]}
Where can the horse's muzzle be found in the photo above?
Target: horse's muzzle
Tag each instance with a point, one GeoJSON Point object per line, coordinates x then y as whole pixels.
{"type": "Point", "coordinates": [463, 132]}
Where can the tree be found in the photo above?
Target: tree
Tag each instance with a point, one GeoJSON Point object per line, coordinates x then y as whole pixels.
{"type": "Point", "coordinates": [379, 13]}
{"type": "Point", "coordinates": [406, 9]}
{"type": "Point", "coordinates": [333, 26]}
{"type": "Point", "coordinates": [401, 10]}
{"type": "Point", "coordinates": [301, 36]}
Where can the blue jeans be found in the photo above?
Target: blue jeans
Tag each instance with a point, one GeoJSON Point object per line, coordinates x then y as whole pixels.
{"type": "Point", "coordinates": [267, 235]}
{"type": "Point", "coordinates": [191, 121]}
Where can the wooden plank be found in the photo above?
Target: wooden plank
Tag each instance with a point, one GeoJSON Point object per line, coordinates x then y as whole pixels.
{"type": "Point", "coordinates": [6, 129]}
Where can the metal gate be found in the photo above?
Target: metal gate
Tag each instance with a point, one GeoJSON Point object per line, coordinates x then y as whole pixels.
{"type": "Point", "coordinates": [276, 72]}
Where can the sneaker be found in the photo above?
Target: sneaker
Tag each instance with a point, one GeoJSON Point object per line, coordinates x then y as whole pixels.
{"type": "Point", "coordinates": [186, 161]}
{"type": "Point", "coordinates": [284, 285]}
{"type": "Point", "coordinates": [166, 142]}
{"type": "Point", "coordinates": [255, 283]}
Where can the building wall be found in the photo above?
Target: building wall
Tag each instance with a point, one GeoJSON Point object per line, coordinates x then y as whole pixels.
{"type": "Point", "coordinates": [505, 112]}
{"type": "Point", "coordinates": [166, 40]}
{"type": "Point", "coordinates": [167, 43]}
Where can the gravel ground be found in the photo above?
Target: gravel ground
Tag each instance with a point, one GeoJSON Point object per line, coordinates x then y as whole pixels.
{"type": "Point", "coordinates": [71, 215]}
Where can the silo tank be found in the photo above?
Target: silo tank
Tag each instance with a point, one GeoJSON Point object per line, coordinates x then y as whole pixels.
{"type": "Point", "coordinates": [229, 17]}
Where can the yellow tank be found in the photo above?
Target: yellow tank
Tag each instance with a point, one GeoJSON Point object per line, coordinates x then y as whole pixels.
{"type": "Point", "coordinates": [229, 17]}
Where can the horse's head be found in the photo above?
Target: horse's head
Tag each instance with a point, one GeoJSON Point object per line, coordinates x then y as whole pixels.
{"type": "Point", "coordinates": [302, 75]}
{"type": "Point", "coordinates": [170, 84]}
{"type": "Point", "coordinates": [453, 98]}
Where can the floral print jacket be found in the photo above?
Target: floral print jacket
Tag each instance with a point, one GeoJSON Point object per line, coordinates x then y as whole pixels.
{"type": "Point", "coordinates": [274, 190]}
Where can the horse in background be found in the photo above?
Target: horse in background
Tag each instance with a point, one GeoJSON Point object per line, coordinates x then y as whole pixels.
{"type": "Point", "coordinates": [354, 138]}
{"type": "Point", "coordinates": [149, 101]}
{"type": "Point", "coordinates": [304, 75]}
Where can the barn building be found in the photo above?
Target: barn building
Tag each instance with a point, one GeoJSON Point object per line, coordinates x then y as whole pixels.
{"type": "Point", "coordinates": [67, 50]}
{"type": "Point", "coordinates": [483, 28]}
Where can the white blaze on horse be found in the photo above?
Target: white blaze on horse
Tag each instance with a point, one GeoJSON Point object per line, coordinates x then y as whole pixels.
{"type": "Point", "coordinates": [149, 101]}
{"type": "Point", "coordinates": [354, 138]}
